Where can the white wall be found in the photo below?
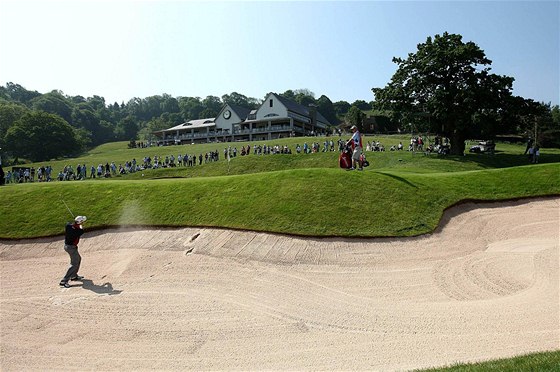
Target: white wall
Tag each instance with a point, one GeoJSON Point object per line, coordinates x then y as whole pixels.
{"type": "Point", "coordinates": [277, 108]}
{"type": "Point", "coordinates": [222, 123]}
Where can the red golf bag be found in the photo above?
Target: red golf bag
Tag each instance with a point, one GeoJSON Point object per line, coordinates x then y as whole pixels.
{"type": "Point", "coordinates": [345, 158]}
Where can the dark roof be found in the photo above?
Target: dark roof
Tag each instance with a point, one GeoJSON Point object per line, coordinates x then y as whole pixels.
{"type": "Point", "coordinates": [242, 112]}
{"type": "Point", "coordinates": [299, 109]}
{"type": "Point", "coordinates": [321, 118]}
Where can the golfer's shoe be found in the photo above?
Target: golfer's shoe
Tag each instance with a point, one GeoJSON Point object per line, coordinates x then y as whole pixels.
{"type": "Point", "coordinates": [78, 277]}
{"type": "Point", "coordinates": [64, 284]}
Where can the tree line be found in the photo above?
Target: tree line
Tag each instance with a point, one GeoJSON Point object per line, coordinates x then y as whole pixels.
{"type": "Point", "coordinates": [36, 126]}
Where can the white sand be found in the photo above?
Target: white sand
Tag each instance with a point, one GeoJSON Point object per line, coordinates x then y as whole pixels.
{"type": "Point", "coordinates": [484, 286]}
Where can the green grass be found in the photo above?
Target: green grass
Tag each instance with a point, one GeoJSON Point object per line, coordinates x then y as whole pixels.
{"type": "Point", "coordinates": [507, 155]}
{"type": "Point", "coordinates": [400, 194]}
{"type": "Point", "coordinates": [537, 362]}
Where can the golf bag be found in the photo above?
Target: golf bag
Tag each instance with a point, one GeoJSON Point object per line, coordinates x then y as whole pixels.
{"type": "Point", "coordinates": [364, 161]}
{"type": "Point", "coordinates": [345, 158]}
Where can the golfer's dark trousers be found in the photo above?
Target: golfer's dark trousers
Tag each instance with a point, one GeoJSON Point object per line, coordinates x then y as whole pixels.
{"type": "Point", "coordinates": [75, 260]}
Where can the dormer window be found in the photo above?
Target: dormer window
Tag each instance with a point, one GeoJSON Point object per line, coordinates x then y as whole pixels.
{"type": "Point", "coordinates": [252, 115]}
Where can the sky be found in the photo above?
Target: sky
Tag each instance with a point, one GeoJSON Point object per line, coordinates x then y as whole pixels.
{"type": "Point", "coordinates": [124, 49]}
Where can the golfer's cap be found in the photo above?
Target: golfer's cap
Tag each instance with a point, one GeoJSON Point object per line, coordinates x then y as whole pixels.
{"type": "Point", "coordinates": [353, 127]}
{"type": "Point", "coordinates": [80, 219]}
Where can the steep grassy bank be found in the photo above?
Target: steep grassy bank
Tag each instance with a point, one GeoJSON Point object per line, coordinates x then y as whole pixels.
{"type": "Point", "coordinates": [316, 202]}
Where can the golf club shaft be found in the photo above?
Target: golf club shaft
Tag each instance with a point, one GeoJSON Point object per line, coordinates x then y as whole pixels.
{"type": "Point", "coordinates": [67, 208]}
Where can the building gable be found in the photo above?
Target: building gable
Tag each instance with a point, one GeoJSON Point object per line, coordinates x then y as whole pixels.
{"type": "Point", "coordinates": [230, 115]}
{"type": "Point", "coordinates": [271, 107]}
{"type": "Point", "coordinates": [289, 108]}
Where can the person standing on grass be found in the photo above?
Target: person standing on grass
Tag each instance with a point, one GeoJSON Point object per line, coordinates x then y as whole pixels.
{"type": "Point", "coordinates": [356, 143]}
{"type": "Point", "coordinates": [529, 145]}
{"type": "Point", "coordinates": [74, 231]}
{"type": "Point", "coordinates": [536, 154]}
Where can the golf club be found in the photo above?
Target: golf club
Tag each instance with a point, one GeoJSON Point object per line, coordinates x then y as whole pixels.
{"type": "Point", "coordinates": [67, 207]}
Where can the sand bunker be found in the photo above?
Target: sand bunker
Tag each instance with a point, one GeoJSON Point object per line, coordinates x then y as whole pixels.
{"type": "Point", "coordinates": [484, 286]}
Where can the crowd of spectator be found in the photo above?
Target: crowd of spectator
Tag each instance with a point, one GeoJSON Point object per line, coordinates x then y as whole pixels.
{"type": "Point", "coordinates": [107, 170]}
{"type": "Point", "coordinates": [111, 169]}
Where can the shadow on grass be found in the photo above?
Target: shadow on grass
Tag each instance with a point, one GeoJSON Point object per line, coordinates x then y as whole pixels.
{"type": "Point", "coordinates": [105, 288]}
{"type": "Point", "coordinates": [400, 179]}
{"type": "Point", "coordinates": [503, 160]}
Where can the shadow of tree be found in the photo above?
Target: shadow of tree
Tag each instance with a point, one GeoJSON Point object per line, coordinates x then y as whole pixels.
{"type": "Point", "coordinates": [400, 179]}
{"type": "Point", "coordinates": [503, 160]}
{"type": "Point", "coordinates": [105, 288]}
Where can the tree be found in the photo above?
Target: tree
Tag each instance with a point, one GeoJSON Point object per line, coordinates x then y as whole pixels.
{"type": "Point", "coordinates": [190, 107]}
{"type": "Point", "coordinates": [84, 116]}
{"type": "Point", "coordinates": [152, 107]}
{"type": "Point", "coordinates": [304, 97]}
{"type": "Point", "coordinates": [127, 129]}
{"type": "Point", "coordinates": [237, 99]}
{"type": "Point", "coordinates": [555, 112]}
{"type": "Point", "coordinates": [208, 113]}
{"type": "Point", "coordinates": [341, 107]}
{"type": "Point", "coordinates": [9, 114]}
{"type": "Point", "coordinates": [362, 105]}
{"type": "Point", "coordinates": [170, 104]}
{"type": "Point", "coordinates": [356, 117]}
{"type": "Point", "coordinates": [96, 102]}
{"type": "Point", "coordinates": [326, 108]}
{"type": "Point", "coordinates": [449, 81]}
{"type": "Point", "coordinates": [213, 105]}
{"type": "Point", "coordinates": [289, 94]}
{"type": "Point", "coordinates": [40, 136]}
{"type": "Point", "coordinates": [16, 92]}
{"type": "Point", "coordinates": [54, 103]}
{"type": "Point", "coordinates": [304, 92]}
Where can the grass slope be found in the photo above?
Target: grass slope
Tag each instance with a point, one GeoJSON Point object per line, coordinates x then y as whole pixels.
{"type": "Point", "coordinates": [314, 201]}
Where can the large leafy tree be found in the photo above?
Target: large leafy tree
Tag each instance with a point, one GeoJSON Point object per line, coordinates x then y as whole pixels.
{"type": "Point", "coordinates": [39, 136]}
{"type": "Point", "coordinates": [449, 82]}
{"type": "Point", "coordinates": [341, 107]}
{"type": "Point", "coordinates": [326, 108]}
{"type": "Point", "coordinates": [127, 129]}
{"type": "Point", "coordinates": [191, 107]}
{"type": "Point", "coordinates": [15, 92]}
{"type": "Point", "coordinates": [212, 106]}
{"type": "Point", "coordinates": [362, 105]}
{"type": "Point", "coordinates": [9, 114]}
{"type": "Point", "coordinates": [304, 97]}
{"type": "Point", "coordinates": [237, 99]}
{"type": "Point", "coordinates": [356, 117]}
{"type": "Point", "coordinates": [54, 103]}
{"type": "Point", "coordinates": [169, 104]}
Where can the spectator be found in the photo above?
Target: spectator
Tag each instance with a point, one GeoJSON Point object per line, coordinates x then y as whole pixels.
{"type": "Point", "coordinates": [536, 154]}
{"type": "Point", "coordinates": [529, 145]}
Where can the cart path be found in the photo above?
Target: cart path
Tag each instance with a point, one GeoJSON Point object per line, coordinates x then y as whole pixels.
{"type": "Point", "coordinates": [485, 285]}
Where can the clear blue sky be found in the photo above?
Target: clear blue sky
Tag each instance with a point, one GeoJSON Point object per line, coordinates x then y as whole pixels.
{"type": "Point", "coordinates": [125, 49]}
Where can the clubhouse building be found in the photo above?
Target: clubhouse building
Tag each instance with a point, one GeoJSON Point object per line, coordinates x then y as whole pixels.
{"type": "Point", "coordinates": [277, 117]}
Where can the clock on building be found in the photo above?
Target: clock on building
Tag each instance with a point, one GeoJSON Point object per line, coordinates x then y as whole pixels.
{"type": "Point", "coordinates": [227, 114]}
